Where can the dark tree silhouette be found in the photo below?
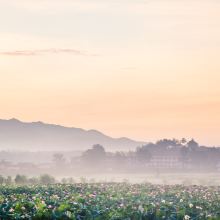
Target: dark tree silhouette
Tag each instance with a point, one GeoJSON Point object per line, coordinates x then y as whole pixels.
{"type": "Point", "coordinates": [21, 179]}
{"type": "Point", "coordinates": [94, 156]}
{"type": "Point", "coordinates": [192, 145]}
{"type": "Point", "coordinates": [47, 179]}
{"type": "Point", "coordinates": [167, 143]}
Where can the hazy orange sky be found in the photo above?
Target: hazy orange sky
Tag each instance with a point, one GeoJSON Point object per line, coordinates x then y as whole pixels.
{"type": "Point", "coordinates": [135, 68]}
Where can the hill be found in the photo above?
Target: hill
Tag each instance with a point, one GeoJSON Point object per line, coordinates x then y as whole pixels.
{"type": "Point", "coordinates": [39, 136]}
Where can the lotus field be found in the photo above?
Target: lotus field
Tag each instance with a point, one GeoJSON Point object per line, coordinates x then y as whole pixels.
{"type": "Point", "coordinates": [100, 201]}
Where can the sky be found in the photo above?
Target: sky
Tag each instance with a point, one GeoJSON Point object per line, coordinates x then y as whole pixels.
{"type": "Point", "coordinates": [144, 69]}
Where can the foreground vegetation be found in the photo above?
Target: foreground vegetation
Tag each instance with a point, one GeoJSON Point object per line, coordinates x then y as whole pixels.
{"type": "Point", "coordinates": [98, 201]}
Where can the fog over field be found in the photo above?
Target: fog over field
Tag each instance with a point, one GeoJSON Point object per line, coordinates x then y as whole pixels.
{"type": "Point", "coordinates": [35, 148]}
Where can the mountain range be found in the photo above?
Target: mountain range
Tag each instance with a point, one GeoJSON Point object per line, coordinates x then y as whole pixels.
{"type": "Point", "coordinates": [38, 136]}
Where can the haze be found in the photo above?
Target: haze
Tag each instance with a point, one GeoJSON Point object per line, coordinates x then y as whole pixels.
{"type": "Point", "coordinates": [140, 69]}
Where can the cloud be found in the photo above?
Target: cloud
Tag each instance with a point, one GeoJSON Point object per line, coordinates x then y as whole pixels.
{"type": "Point", "coordinates": [44, 51]}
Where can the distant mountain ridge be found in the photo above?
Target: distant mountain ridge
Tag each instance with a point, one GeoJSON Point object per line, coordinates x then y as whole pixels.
{"type": "Point", "coordinates": [39, 136]}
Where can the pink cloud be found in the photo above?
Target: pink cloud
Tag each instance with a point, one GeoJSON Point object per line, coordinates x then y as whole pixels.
{"type": "Point", "coordinates": [44, 51]}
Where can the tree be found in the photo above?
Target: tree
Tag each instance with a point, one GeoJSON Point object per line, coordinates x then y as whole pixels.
{"type": "Point", "coordinates": [34, 181]}
{"type": "Point", "coordinates": [46, 179]}
{"type": "Point", "coordinates": [183, 141]}
{"type": "Point", "coordinates": [168, 142]}
{"type": "Point", "coordinates": [94, 156]}
{"type": "Point", "coordinates": [99, 149]}
{"type": "Point", "coordinates": [2, 179]}
{"type": "Point", "coordinates": [21, 179]}
{"type": "Point", "coordinates": [192, 145]}
{"type": "Point", "coordinates": [8, 180]}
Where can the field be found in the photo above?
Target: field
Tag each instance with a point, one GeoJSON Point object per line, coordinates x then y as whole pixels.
{"type": "Point", "coordinates": [100, 201]}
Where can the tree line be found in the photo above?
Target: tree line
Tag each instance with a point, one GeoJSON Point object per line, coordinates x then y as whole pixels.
{"type": "Point", "coordinates": [24, 180]}
{"type": "Point", "coordinates": [189, 155]}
